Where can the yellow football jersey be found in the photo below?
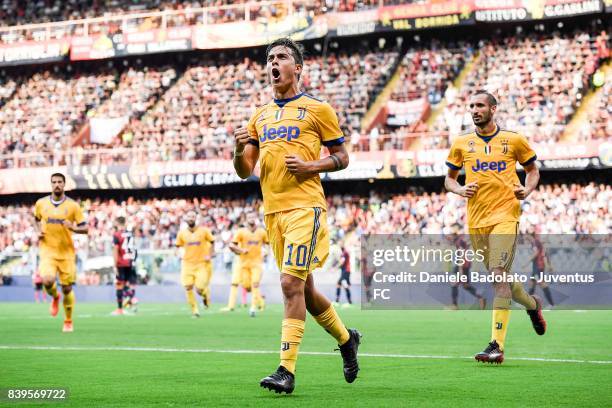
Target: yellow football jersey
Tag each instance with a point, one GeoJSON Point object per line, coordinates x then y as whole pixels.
{"type": "Point", "coordinates": [253, 241]}
{"type": "Point", "coordinates": [197, 244]}
{"type": "Point", "coordinates": [57, 241]}
{"type": "Point", "coordinates": [293, 126]}
{"type": "Point", "coordinates": [490, 160]}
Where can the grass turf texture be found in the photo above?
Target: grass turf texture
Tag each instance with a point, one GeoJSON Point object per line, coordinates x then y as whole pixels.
{"type": "Point", "coordinates": [112, 378]}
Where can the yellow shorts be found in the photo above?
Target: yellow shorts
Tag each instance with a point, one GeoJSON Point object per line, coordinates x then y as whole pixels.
{"type": "Point", "coordinates": [497, 242]}
{"type": "Point", "coordinates": [247, 275]}
{"type": "Point", "coordinates": [299, 239]}
{"type": "Point", "coordinates": [50, 267]}
{"type": "Point", "coordinates": [198, 275]}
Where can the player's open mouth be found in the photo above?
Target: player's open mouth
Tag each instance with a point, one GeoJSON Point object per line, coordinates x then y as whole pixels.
{"type": "Point", "coordinates": [275, 73]}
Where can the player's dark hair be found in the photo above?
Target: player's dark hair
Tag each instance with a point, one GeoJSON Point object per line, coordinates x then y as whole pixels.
{"type": "Point", "coordinates": [121, 220]}
{"type": "Point", "coordinates": [296, 49]}
{"type": "Point", "coordinates": [59, 175]}
{"type": "Point", "coordinates": [490, 98]}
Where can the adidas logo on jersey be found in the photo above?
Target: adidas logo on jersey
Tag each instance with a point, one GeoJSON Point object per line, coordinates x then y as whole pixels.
{"type": "Point", "coordinates": [282, 132]}
{"type": "Point", "coordinates": [498, 166]}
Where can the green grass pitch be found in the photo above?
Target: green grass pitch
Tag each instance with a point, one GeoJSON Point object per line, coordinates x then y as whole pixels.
{"type": "Point", "coordinates": [163, 357]}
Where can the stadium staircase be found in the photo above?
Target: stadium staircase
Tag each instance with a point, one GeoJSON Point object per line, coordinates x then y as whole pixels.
{"type": "Point", "coordinates": [383, 96]}
{"type": "Point", "coordinates": [581, 116]}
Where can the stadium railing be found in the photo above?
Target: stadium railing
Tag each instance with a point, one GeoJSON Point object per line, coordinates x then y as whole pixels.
{"type": "Point", "coordinates": [130, 22]}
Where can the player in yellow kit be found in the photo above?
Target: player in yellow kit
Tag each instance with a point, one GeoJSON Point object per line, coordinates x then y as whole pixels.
{"type": "Point", "coordinates": [493, 189]}
{"type": "Point", "coordinates": [57, 218]}
{"type": "Point", "coordinates": [248, 245]}
{"type": "Point", "coordinates": [196, 267]}
{"type": "Point", "coordinates": [286, 135]}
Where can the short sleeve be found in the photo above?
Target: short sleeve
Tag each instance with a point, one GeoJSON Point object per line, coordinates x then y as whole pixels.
{"type": "Point", "coordinates": [523, 152]}
{"type": "Point", "coordinates": [455, 157]}
{"type": "Point", "coordinates": [37, 211]}
{"type": "Point", "coordinates": [179, 239]}
{"type": "Point", "coordinates": [329, 129]}
{"type": "Point", "coordinates": [115, 239]}
{"type": "Point", "coordinates": [208, 236]}
{"type": "Point", "coordinates": [237, 237]}
{"type": "Point", "coordinates": [79, 218]}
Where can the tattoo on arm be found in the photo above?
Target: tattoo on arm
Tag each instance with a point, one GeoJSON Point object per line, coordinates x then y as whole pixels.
{"type": "Point", "coordinates": [337, 162]}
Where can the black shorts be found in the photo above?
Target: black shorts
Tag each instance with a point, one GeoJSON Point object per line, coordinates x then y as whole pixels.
{"type": "Point", "coordinates": [38, 286]}
{"type": "Point", "coordinates": [126, 274]}
{"type": "Point", "coordinates": [345, 276]}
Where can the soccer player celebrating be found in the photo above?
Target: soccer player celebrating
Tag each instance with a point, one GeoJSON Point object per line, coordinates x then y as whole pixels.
{"type": "Point", "coordinates": [57, 218]}
{"type": "Point", "coordinates": [248, 244]}
{"type": "Point", "coordinates": [286, 135]}
{"type": "Point", "coordinates": [493, 191]}
{"type": "Point", "coordinates": [196, 269]}
{"type": "Point", "coordinates": [124, 254]}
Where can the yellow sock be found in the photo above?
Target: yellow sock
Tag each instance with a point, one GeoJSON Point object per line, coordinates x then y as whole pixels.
{"type": "Point", "coordinates": [501, 317]}
{"type": "Point", "coordinates": [255, 298]}
{"type": "Point", "coordinates": [520, 295]}
{"type": "Point", "coordinates": [232, 297]}
{"type": "Point", "coordinates": [331, 322]}
{"type": "Point", "coordinates": [191, 300]}
{"type": "Point", "coordinates": [291, 337]}
{"type": "Point", "coordinates": [53, 291]}
{"type": "Point", "coordinates": [68, 305]}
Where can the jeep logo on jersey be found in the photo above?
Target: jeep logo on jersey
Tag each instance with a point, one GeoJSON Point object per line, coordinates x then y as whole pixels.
{"type": "Point", "coordinates": [281, 132]}
{"type": "Point", "coordinates": [498, 166]}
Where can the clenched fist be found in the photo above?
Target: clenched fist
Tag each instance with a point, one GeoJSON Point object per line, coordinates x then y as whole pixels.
{"type": "Point", "coordinates": [241, 136]}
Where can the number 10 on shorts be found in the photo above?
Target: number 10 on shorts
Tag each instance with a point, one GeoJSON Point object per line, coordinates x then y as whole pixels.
{"type": "Point", "coordinates": [301, 255]}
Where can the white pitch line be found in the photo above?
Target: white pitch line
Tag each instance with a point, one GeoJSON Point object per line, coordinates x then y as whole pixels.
{"type": "Point", "coordinates": [311, 353]}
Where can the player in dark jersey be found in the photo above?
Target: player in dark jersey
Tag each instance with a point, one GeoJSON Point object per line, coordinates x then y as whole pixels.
{"type": "Point", "coordinates": [39, 293]}
{"type": "Point", "coordinates": [539, 261]}
{"type": "Point", "coordinates": [345, 275]}
{"type": "Point", "coordinates": [464, 269]}
{"type": "Point", "coordinates": [124, 253]}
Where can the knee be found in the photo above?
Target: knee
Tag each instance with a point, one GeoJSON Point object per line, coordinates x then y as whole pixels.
{"type": "Point", "coordinates": [291, 287]}
{"type": "Point", "coordinates": [200, 291]}
{"type": "Point", "coordinates": [119, 285]}
{"type": "Point", "coordinates": [48, 283]}
{"type": "Point", "coordinates": [66, 289]}
{"type": "Point", "coordinates": [188, 287]}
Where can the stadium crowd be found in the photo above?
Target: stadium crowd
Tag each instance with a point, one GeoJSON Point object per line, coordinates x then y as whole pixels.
{"type": "Point", "coordinates": [551, 209]}
{"type": "Point", "coordinates": [15, 12]}
{"type": "Point", "coordinates": [47, 110]}
{"type": "Point", "coordinates": [539, 81]}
